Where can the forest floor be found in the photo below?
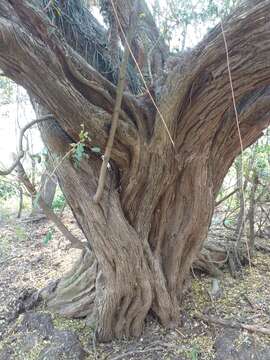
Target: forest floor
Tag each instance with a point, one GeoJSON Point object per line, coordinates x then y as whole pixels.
{"type": "Point", "coordinates": [27, 262]}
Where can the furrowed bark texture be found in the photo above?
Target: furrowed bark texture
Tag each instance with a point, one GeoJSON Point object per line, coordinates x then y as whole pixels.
{"type": "Point", "coordinates": [148, 45]}
{"type": "Point", "coordinates": [158, 200]}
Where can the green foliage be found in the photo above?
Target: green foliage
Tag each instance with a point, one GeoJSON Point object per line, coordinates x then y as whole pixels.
{"type": "Point", "coordinates": [48, 237]}
{"type": "Point", "coordinates": [7, 190]}
{"type": "Point", "coordinates": [183, 19]}
{"type": "Point", "coordinates": [262, 161]}
{"type": "Point", "coordinates": [78, 149]}
{"type": "Point", "coordinates": [194, 354]}
{"type": "Point", "coordinates": [229, 222]}
{"type": "Point", "coordinates": [79, 152]}
{"type": "Point", "coordinates": [58, 202]}
{"type": "Point", "coordinates": [6, 90]}
{"type": "Point", "coordinates": [96, 149]}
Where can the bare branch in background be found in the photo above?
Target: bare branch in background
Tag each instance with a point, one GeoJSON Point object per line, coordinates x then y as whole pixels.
{"type": "Point", "coordinates": [20, 155]}
{"type": "Point", "coordinates": [226, 197]}
{"type": "Point", "coordinates": [24, 179]}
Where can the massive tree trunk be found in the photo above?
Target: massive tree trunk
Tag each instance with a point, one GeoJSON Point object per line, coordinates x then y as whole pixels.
{"type": "Point", "coordinates": [158, 201]}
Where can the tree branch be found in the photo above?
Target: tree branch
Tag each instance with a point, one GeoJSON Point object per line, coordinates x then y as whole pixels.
{"type": "Point", "coordinates": [226, 197]}
{"type": "Point", "coordinates": [234, 324]}
{"type": "Point", "coordinates": [23, 178]}
{"type": "Point", "coordinates": [197, 90]}
{"type": "Point", "coordinates": [20, 144]}
{"type": "Point", "coordinates": [30, 45]}
{"type": "Point", "coordinates": [89, 38]}
{"type": "Point", "coordinates": [148, 44]}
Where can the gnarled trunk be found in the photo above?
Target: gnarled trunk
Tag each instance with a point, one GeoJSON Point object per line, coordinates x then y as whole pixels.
{"type": "Point", "coordinates": [144, 238]}
{"type": "Point", "coordinates": [128, 279]}
{"type": "Point", "coordinates": [158, 201]}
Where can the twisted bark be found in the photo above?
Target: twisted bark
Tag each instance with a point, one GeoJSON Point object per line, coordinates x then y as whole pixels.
{"type": "Point", "coordinates": [148, 45]}
{"type": "Point", "coordinates": [158, 199]}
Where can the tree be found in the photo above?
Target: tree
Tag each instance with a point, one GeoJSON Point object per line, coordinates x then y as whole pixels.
{"type": "Point", "coordinates": [176, 17]}
{"type": "Point", "coordinates": [159, 194]}
{"type": "Point", "coordinates": [47, 190]}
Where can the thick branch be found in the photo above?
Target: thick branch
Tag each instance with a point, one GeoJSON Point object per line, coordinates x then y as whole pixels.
{"type": "Point", "coordinates": [33, 55]}
{"type": "Point", "coordinates": [89, 38]}
{"type": "Point", "coordinates": [148, 44]}
{"type": "Point", "coordinates": [198, 89]}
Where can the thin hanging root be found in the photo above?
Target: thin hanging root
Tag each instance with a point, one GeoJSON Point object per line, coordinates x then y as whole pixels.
{"type": "Point", "coordinates": [239, 133]}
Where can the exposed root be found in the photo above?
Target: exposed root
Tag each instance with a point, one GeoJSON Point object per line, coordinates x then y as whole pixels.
{"type": "Point", "coordinates": [116, 307]}
{"type": "Point", "coordinates": [74, 295]}
{"type": "Point", "coordinates": [213, 259]}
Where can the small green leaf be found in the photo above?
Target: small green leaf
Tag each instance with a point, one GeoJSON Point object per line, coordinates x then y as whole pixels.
{"type": "Point", "coordinates": [79, 152]}
{"type": "Point", "coordinates": [48, 236]}
{"type": "Point", "coordinates": [194, 353]}
{"type": "Point", "coordinates": [96, 149]}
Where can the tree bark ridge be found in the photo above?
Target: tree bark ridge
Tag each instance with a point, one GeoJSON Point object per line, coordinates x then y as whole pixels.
{"type": "Point", "coordinates": [158, 200]}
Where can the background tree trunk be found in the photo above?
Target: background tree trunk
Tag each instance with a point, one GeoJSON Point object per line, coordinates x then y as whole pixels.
{"type": "Point", "coordinates": [251, 211]}
{"type": "Point", "coordinates": [20, 190]}
{"type": "Point", "coordinates": [241, 184]}
{"type": "Point", "coordinates": [48, 184]}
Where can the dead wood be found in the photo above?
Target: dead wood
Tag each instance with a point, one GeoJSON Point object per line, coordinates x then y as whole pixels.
{"type": "Point", "coordinates": [234, 324]}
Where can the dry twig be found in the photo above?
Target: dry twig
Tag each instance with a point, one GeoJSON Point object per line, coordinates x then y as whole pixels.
{"type": "Point", "coordinates": [226, 197]}
{"type": "Point", "coordinates": [129, 354]}
{"type": "Point", "coordinates": [234, 324]}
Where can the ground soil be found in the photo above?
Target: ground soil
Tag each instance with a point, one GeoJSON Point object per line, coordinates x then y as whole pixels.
{"type": "Point", "coordinates": [28, 263]}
